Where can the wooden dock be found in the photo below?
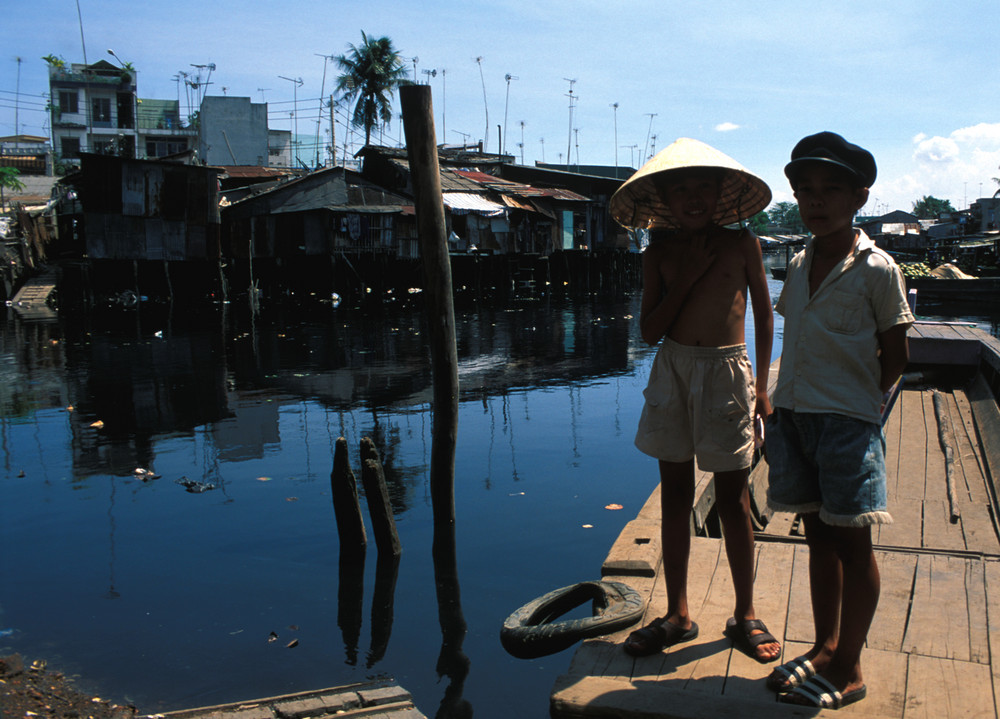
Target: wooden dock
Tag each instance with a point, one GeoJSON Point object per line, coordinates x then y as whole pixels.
{"type": "Point", "coordinates": [375, 700]}
{"type": "Point", "coordinates": [934, 646]}
{"type": "Point", "coordinates": [32, 301]}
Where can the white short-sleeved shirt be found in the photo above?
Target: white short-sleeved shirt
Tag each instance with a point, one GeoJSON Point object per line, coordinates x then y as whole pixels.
{"type": "Point", "coordinates": [829, 360]}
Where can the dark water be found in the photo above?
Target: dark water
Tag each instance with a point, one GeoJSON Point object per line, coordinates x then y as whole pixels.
{"type": "Point", "coordinates": [168, 598]}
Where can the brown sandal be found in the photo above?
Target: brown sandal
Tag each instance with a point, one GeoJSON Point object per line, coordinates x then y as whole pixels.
{"type": "Point", "coordinates": [657, 636]}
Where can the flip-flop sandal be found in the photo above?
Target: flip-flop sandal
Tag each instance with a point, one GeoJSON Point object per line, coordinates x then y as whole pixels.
{"type": "Point", "coordinates": [819, 693]}
{"type": "Point", "coordinates": [657, 636]}
{"type": "Point", "coordinates": [791, 674]}
{"type": "Point", "coordinates": [743, 638]}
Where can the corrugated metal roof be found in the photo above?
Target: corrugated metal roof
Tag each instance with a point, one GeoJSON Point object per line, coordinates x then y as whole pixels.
{"type": "Point", "coordinates": [461, 202]}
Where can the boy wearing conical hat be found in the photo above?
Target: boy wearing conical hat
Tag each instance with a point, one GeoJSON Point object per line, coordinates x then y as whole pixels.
{"type": "Point", "coordinates": [846, 318]}
{"type": "Point", "coordinates": [701, 399]}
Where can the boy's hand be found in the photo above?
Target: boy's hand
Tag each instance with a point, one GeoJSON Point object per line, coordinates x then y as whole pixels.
{"type": "Point", "coordinates": [762, 411]}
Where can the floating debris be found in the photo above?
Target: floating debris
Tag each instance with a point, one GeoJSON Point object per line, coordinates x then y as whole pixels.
{"type": "Point", "coordinates": [195, 487]}
{"type": "Point", "coordinates": [144, 474]}
{"type": "Point", "coordinates": [614, 506]}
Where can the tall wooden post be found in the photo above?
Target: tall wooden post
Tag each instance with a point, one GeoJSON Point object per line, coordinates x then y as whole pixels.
{"type": "Point", "coordinates": [418, 126]}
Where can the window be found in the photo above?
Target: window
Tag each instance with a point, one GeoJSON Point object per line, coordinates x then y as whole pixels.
{"type": "Point", "coordinates": [68, 102]}
{"type": "Point", "coordinates": [166, 146]}
{"type": "Point", "coordinates": [101, 109]}
{"type": "Point", "coordinates": [70, 147]}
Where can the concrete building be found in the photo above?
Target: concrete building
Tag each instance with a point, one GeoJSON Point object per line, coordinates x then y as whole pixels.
{"type": "Point", "coordinates": [95, 109]}
{"type": "Point", "coordinates": [233, 131]}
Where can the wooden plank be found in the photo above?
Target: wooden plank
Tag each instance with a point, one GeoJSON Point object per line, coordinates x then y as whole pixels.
{"type": "Point", "coordinates": [780, 524]}
{"type": "Point", "coordinates": [604, 656]}
{"type": "Point", "coordinates": [897, 570]}
{"type": "Point", "coordinates": [935, 628]}
{"type": "Point", "coordinates": [799, 624]}
{"type": "Point", "coordinates": [651, 509]}
{"type": "Point", "coordinates": [968, 454]}
{"type": "Point", "coordinates": [940, 687]}
{"type": "Point", "coordinates": [704, 500]}
{"type": "Point", "coordinates": [710, 602]}
{"type": "Point", "coordinates": [975, 599]}
{"type": "Point", "coordinates": [637, 551]}
{"type": "Point", "coordinates": [772, 584]}
{"type": "Point", "coordinates": [885, 675]}
{"type": "Point", "coordinates": [939, 532]}
{"type": "Point", "coordinates": [906, 529]}
{"type": "Point", "coordinates": [370, 699]}
{"type": "Point", "coordinates": [991, 571]}
{"type": "Point", "coordinates": [987, 419]}
{"type": "Point", "coordinates": [892, 430]}
{"type": "Point", "coordinates": [582, 697]}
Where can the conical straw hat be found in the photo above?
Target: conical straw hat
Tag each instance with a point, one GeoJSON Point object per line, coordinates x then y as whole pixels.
{"type": "Point", "coordinates": [637, 204]}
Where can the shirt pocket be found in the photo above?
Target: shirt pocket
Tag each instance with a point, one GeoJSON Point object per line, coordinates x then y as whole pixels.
{"type": "Point", "coordinates": [842, 311]}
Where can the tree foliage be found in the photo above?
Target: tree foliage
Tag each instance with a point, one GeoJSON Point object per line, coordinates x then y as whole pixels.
{"type": "Point", "coordinates": [9, 180]}
{"type": "Point", "coordinates": [930, 208]}
{"type": "Point", "coordinates": [371, 73]}
{"type": "Point", "coordinates": [786, 216]}
{"type": "Point", "coordinates": [758, 223]}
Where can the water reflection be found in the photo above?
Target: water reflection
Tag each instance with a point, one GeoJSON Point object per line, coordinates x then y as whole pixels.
{"type": "Point", "coordinates": [550, 391]}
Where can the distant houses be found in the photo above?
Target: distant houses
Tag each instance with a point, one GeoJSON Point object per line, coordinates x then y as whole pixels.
{"type": "Point", "coordinates": [172, 228]}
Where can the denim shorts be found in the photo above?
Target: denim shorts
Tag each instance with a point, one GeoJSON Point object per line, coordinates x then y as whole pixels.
{"type": "Point", "coordinates": [827, 463]}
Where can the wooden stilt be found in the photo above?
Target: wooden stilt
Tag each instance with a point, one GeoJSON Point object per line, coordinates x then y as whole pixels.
{"type": "Point", "coordinates": [350, 525]}
{"type": "Point", "coordinates": [379, 509]}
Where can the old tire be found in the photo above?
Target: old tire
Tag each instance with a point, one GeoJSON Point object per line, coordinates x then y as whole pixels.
{"type": "Point", "coordinates": [532, 631]}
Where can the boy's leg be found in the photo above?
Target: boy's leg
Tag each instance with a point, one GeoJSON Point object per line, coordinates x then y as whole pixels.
{"type": "Point", "coordinates": [732, 499]}
{"type": "Point", "coordinates": [845, 585]}
{"type": "Point", "coordinates": [676, 501]}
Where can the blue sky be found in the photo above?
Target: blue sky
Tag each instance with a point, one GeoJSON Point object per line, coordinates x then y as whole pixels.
{"type": "Point", "coordinates": [915, 82]}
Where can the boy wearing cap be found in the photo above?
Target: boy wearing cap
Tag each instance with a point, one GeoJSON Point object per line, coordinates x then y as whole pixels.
{"type": "Point", "coordinates": [701, 399]}
{"type": "Point", "coordinates": [844, 346]}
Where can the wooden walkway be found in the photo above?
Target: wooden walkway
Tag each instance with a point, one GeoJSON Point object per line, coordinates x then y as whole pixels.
{"type": "Point", "coordinates": [372, 700]}
{"type": "Point", "coordinates": [934, 647]}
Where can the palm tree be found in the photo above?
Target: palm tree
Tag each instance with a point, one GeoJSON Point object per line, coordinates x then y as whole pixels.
{"type": "Point", "coordinates": [371, 72]}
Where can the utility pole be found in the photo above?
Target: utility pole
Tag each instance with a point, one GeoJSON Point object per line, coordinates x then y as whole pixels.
{"type": "Point", "coordinates": [333, 134]}
{"type": "Point", "coordinates": [569, 136]}
{"type": "Point", "coordinates": [444, 102]}
{"type": "Point", "coordinates": [322, 91]}
{"type": "Point", "coordinates": [486, 135]}
{"type": "Point", "coordinates": [295, 114]}
{"type": "Point", "coordinates": [17, 101]}
{"type": "Point", "coordinates": [615, 106]}
{"type": "Point", "coordinates": [646, 146]}
{"type": "Point", "coordinates": [508, 77]}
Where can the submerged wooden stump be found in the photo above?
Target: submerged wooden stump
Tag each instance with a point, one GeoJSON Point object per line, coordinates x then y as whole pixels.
{"type": "Point", "coordinates": [346, 507]}
{"type": "Point", "coordinates": [379, 508]}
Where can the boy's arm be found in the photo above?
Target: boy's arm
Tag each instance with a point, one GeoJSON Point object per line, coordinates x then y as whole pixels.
{"type": "Point", "coordinates": [662, 301]}
{"type": "Point", "coordinates": [763, 318]}
{"type": "Point", "coordinates": [894, 355]}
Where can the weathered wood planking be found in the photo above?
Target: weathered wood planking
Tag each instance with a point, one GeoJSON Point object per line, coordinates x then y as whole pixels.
{"type": "Point", "coordinates": [991, 571]}
{"type": "Point", "coordinates": [937, 627]}
{"type": "Point", "coordinates": [897, 570]}
{"type": "Point", "coordinates": [938, 688]}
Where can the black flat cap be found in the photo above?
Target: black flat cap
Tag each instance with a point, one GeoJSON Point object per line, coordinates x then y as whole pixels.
{"type": "Point", "coordinates": [831, 148]}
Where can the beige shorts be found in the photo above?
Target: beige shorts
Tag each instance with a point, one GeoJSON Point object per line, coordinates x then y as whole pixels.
{"type": "Point", "coordinates": [699, 403]}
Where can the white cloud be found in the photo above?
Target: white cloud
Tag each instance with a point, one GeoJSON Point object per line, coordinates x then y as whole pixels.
{"type": "Point", "coordinates": [726, 127]}
{"type": "Point", "coordinates": [958, 167]}
{"type": "Point", "coordinates": [936, 150]}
